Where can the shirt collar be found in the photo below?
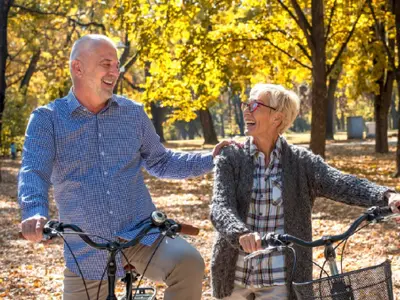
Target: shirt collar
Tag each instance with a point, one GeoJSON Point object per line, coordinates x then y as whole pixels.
{"type": "Point", "coordinates": [277, 152]}
{"type": "Point", "coordinates": [74, 104]}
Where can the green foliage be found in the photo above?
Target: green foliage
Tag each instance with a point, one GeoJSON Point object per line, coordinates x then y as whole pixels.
{"type": "Point", "coordinates": [15, 118]}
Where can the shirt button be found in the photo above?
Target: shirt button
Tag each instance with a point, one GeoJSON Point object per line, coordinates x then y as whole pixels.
{"type": "Point", "coordinates": [102, 153]}
{"type": "Point", "coordinates": [108, 192]}
{"type": "Point", "coordinates": [99, 134]}
{"type": "Point", "coordinates": [260, 214]}
{"type": "Point", "coordinates": [111, 212]}
{"type": "Point", "coordinates": [106, 173]}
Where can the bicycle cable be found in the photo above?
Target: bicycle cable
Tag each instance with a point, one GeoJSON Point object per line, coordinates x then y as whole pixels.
{"type": "Point", "coordinates": [341, 259]}
{"type": "Point", "coordinates": [76, 261]}
{"type": "Point", "coordinates": [101, 281]}
{"type": "Point", "coordinates": [151, 257]}
{"type": "Point", "coordinates": [87, 234]}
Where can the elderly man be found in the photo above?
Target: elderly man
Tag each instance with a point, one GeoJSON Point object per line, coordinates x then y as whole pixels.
{"type": "Point", "coordinates": [270, 186]}
{"type": "Point", "coordinates": [91, 146]}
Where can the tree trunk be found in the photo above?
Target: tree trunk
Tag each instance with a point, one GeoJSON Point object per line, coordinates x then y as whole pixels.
{"type": "Point", "coordinates": [4, 10]}
{"type": "Point", "coordinates": [319, 86]}
{"type": "Point", "coordinates": [394, 113]}
{"type": "Point", "coordinates": [158, 119]}
{"type": "Point", "coordinates": [331, 114]}
{"type": "Point", "coordinates": [342, 122]}
{"type": "Point", "coordinates": [122, 61]}
{"type": "Point", "coordinates": [238, 114]}
{"type": "Point", "coordinates": [29, 73]}
{"type": "Point", "coordinates": [397, 174]}
{"type": "Point", "coordinates": [222, 125]}
{"type": "Point", "coordinates": [210, 137]}
{"type": "Point", "coordinates": [192, 130]}
{"type": "Point", "coordinates": [381, 106]}
{"type": "Point", "coordinates": [396, 10]}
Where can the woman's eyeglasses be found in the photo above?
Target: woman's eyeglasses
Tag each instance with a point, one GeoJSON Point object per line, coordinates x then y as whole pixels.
{"type": "Point", "coordinates": [253, 105]}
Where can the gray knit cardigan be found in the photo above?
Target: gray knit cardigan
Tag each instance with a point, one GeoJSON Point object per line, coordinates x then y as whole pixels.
{"type": "Point", "coordinates": [305, 177]}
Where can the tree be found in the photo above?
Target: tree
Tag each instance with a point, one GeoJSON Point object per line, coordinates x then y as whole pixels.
{"type": "Point", "coordinates": [287, 44]}
{"type": "Point", "coordinates": [5, 6]}
{"type": "Point", "coordinates": [316, 37]}
{"type": "Point", "coordinates": [392, 47]}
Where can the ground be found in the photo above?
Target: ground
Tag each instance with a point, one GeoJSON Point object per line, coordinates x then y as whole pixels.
{"type": "Point", "coordinates": [34, 271]}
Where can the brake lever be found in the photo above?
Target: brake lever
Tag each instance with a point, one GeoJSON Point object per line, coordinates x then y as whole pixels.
{"type": "Point", "coordinates": [51, 229]}
{"type": "Point", "coordinates": [172, 228]}
{"type": "Point", "coordinates": [393, 216]}
{"type": "Point", "coordinates": [265, 251]}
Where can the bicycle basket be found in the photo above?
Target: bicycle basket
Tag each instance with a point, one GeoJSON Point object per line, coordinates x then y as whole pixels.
{"type": "Point", "coordinates": [367, 283]}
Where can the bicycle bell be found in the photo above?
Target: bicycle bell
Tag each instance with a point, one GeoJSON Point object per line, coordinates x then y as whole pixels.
{"type": "Point", "coordinates": [158, 218]}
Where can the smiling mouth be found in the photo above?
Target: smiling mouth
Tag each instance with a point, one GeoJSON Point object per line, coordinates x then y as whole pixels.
{"type": "Point", "coordinates": [250, 123]}
{"type": "Point", "coordinates": [109, 82]}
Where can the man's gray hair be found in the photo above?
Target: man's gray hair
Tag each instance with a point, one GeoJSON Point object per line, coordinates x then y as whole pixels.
{"type": "Point", "coordinates": [86, 42]}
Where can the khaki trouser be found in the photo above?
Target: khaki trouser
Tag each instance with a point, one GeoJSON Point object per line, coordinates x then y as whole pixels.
{"type": "Point", "coordinates": [277, 292]}
{"type": "Point", "coordinates": [176, 263]}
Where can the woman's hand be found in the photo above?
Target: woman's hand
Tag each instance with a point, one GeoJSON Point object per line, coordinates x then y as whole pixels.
{"type": "Point", "coordinates": [250, 242]}
{"type": "Point", "coordinates": [394, 203]}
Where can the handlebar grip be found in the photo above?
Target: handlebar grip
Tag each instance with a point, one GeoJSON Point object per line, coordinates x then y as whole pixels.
{"type": "Point", "coordinates": [385, 211]}
{"type": "Point", "coordinates": [188, 229]}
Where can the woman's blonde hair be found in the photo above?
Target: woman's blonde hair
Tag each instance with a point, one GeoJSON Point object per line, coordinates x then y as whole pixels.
{"type": "Point", "coordinates": [283, 100]}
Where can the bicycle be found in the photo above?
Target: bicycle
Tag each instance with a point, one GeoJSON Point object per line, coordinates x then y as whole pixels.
{"type": "Point", "coordinates": [366, 283]}
{"type": "Point", "coordinates": [167, 227]}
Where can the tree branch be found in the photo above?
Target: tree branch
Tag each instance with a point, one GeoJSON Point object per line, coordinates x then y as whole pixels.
{"type": "Point", "coordinates": [135, 87]}
{"type": "Point", "coordinates": [132, 60]}
{"type": "Point", "coordinates": [55, 13]}
{"type": "Point", "coordinates": [276, 47]}
{"type": "Point", "coordinates": [302, 48]}
{"type": "Point", "coordinates": [381, 36]}
{"type": "Point", "coordinates": [301, 21]}
{"type": "Point", "coordinates": [330, 21]}
{"type": "Point", "coordinates": [344, 45]}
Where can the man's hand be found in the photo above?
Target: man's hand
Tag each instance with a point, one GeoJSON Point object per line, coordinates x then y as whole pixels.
{"type": "Point", "coordinates": [394, 203]}
{"type": "Point", "coordinates": [250, 242]}
{"type": "Point", "coordinates": [32, 228]}
{"type": "Point", "coordinates": [220, 145]}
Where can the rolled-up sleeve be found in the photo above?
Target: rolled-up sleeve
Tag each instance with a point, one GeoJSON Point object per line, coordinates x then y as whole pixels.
{"type": "Point", "coordinates": [37, 162]}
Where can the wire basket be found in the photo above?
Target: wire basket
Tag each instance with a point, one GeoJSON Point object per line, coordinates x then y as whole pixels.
{"type": "Point", "coordinates": [364, 284]}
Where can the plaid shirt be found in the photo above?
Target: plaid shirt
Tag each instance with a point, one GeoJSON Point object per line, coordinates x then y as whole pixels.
{"type": "Point", "coordinates": [265, 215]}
{"type": "Point", "coordinates": [94, 162]}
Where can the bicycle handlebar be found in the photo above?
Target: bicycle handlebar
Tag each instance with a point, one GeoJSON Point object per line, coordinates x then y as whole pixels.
{"type": "Point", "coordinates": [157, 220]}
{"type": "Point", "coordinates": [373, 214]}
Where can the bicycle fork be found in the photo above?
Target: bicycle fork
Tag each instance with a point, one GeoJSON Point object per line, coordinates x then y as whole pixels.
{"type": "Point", "coordinates": [339, 289]}
{"type": "Point", "coordinates": [111, 272]}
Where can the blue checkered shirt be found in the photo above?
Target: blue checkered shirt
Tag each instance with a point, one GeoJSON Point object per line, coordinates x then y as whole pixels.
{"type": "Point", "coordinates": [94, 163]}
{"type": "Point", "coordinates": [265, 215]}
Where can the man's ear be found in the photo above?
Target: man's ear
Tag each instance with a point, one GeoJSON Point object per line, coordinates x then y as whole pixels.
{"type": "Point", "coordinates": [77, 68]}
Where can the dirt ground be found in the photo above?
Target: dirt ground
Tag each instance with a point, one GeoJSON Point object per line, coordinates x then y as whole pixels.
{"type": "Point", "coordinates": [34, 271]}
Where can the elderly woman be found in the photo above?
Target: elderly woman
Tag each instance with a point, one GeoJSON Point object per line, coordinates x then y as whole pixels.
{"type": "Point", "coordinates": [269, 185]}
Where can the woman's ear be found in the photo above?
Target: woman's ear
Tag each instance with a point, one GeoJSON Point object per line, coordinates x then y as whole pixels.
{"type": "Point", "coordinates": [278, 121]}
{"type": "Point", "coordinates": [278, 117]}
